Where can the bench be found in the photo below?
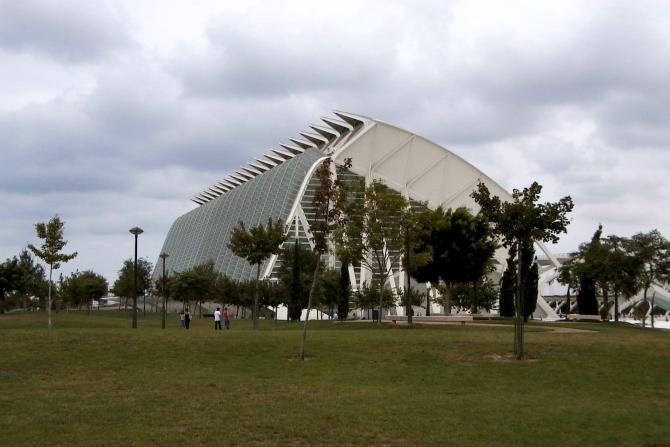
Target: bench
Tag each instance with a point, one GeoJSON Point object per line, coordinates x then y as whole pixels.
{"type": "Point", "coordinates": [581, 317]}
{"type": "Point", "coordinates": [439, 318]}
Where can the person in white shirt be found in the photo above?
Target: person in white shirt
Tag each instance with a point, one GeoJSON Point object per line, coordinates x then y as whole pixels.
{"type": "Point", "coordinates": [217, 319]}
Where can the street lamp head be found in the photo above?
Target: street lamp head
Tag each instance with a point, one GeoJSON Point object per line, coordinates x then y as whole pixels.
{"type": "Point", "coordinates": [136, 231]}
{"type": "Point", "coordinates": [163, 255]}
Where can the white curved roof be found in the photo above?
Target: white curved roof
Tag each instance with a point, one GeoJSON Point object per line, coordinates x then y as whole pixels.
{"type": "Point", "coordinates": [417, 167]}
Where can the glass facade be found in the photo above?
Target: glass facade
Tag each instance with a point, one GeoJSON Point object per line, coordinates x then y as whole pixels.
{"type": "Point", "coordinates": [202, 235]}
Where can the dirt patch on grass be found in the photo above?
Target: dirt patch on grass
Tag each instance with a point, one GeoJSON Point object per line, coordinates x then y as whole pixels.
{"type": "Point", "coordinates": [296, 358]}
{"type": "Point", "coordinates": [495, 357]}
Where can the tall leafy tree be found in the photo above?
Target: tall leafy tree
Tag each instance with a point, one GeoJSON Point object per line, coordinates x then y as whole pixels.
{"type": "Point", "coordinates": [271, 295]}
{"type": "Point", "coordinates": [508, 287]}
{"type": "Point", "coordinates": [626, 270]}
{"type": "Point", "coordinates": [256, 245]}
{"type": "Point", "coordinates": [587, 300]}
{"type": "Point", "coordinates": [22, 278]}
{"type": "Point", "coordinates": [373, 232]}
{"type": "Point", "coordinates": [594, 267]}
{"type": "Point", "coordinates": [82, 288]}
{"type": "Point", "coordinates": [483, 294]}
{"type": "Point", "coordinates": [51, 234]}
{"type": "Point", "coordinates": [411, 297]}
{"type": "Point", "coordinates": [124, 284]}
{"type": "Point", "coordinates": [195, 285]}
{"type": "Point", "coordinates": [529, 292]}
{"type": "Point", "coordinates": [368, 296]}
{"type": "Point", "coordinates": [602, 266]}
{"type": "Point", "coordinates": [593, 272]}
{"type": "Point", "coordinates": [295, 277]}
{"type": "Point", "coordinates": [345, 292]}
{"type": "Point", "coordinates": [653, 252]}
{"type": "Point", "coordinates": [460, 245]}
{"type": "Point", "coordinates": [520, 222]}
{"type": "Point", "coordinates": [328, 202]}
{"type": "Point", "coordinates": [567, 274]}
{"type": "Point", "coordinates": [426, 225]}
{"type": "Point", "coordinates": [416, 253]}
{"type": "Point", "coordinates": [331, 293]}
{"type": "Point", "coordinates": [10, 278]}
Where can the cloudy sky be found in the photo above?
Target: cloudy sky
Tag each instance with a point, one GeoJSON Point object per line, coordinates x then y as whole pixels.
{"type": "Point", "coordinates": [114, 113]}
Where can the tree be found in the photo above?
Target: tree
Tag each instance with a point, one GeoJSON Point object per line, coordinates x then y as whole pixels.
{"type": "Point", "coordinates": [460, 247]}
{"type": "Point", "coordinates": [508, 287]}
{"type": "Point", "coordinates": [271, 295]}
{"type": "Point", "coordinates": [519, 223]}
{"type": "Point", "coordinates": [414, 228]}
{"type": "Point", "coordinates": [587, 301]}
{"type": "Point", "coordinates": [529, 293]}
{"type": "Point", "coordinates": [10, 277]}
{"type": "Point", "coordinates": [626, 270]}
{"type": "Point", "coordinates": [368, 295]}
{"type": "Point", "coordinates": [425, 271]}
{"type": "Point", "coordinates": [50, 251]}
{"type": "Point", "coordinates": [602, 265]}
{"type": "Point", "coordinates": [83, 287]}
{"type": "Point", "coordinates": [331, 292]}
{"type": "Point", "coordinates": [345, 293]}
{"type": "Point", "coordinates": [473, 296]}
{"type": "Point", "coordinates": [295, 277]}
{"type": "Point", "coordinates": [328, 202]}
{"type": "Point", "coordinates": [373, 232]}
{"type": "Point", "coordinates": [256, 245]}
{"type": "Point", "coordinates": [411, 297]}
{"type": "Point", "coordinates": [195, 284]}
{"type": "Point", "coordinates": [582, 271]}
{"type": "Point", "coordinates": [124, 284]}
{"type": "Point", "coordinates": [653, 252]}
{"type": "Point", "coordinates": [21, 278]}
{"type": "Point", "coordinates": [567, 275]}
{"type": "Point", "coordinates": [222, 289]}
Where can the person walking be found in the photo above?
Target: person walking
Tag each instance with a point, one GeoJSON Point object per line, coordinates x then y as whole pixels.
{"type": "Point", "coordinates": [187, 318]}
{"type": "Point", "coordinates": [226, 320]}
{"type": "Point", "coordinates": [217, 319]}
{"type": "Point", "coordinates": [182, 319]}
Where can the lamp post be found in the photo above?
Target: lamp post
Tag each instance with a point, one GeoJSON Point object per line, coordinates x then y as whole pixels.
{"type": "Point", "coordinates": [136, 231]}
{"type": "Point", "coordinates": [164, 256]}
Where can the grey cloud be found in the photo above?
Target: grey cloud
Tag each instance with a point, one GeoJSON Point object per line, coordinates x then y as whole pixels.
{"type": "Point", "coordinates": [65, 30]}
{"type": "Point", "coordinates": [252, 56]}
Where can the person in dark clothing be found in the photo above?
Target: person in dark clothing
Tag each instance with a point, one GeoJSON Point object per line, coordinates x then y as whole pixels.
{"type": "Point", "coordinates": [187, 318]}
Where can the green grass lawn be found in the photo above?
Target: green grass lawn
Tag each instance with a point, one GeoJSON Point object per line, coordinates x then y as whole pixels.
{"type": "Point", "coordinates": [94, 381]}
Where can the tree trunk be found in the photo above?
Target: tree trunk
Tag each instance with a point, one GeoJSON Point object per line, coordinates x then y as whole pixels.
{"type": "Point", "coordinates": [447, 299]}
{"type": "Point", "coordinates": [408, 304]}
{"type": "Point", "coordinates": [518, 310]}
{"type": "Point", "coordinates": [616, 305]}
{"type": "Point", "coordinates": [315, 278]}
{"type": "Point", "coordinates": [651, 310]}
{"type": "Point", "coordinates": [644, 315]}
{"type": "Point", "coordinates": [475, 304]}
{"type": "Point", "coordinates": [49, 308]}
{"type": "Point", "coordinates": [381, 303]}
{"type": "Point", "coordinates": [428, 302]}
{"type": "Point", "coordinates": [567, 299]}
{"type": "Point", "coordinates": [254, 311]}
